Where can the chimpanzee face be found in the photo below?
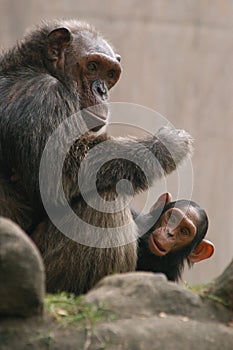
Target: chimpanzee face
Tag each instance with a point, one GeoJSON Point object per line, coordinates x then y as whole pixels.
{"type": "Point", "coordinates": [87, 60]}
{"type": "Point", "coordinates": [175, 229]}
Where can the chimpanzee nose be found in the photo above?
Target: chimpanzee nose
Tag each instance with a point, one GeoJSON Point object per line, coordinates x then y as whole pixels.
{"type": "Point", "coordinates": [100, 88]}
{"type": "Point", "coordinates": [170, 232]}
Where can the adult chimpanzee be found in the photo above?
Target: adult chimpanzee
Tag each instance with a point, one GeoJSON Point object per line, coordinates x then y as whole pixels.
{"type": "Point", "coordinates": [176, 237]}
{"type": "Point", "coordinates": [59, 69]}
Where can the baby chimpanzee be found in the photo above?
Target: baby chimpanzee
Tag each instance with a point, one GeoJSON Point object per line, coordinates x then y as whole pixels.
{"type": "Point", "coordinates": [176, 234]}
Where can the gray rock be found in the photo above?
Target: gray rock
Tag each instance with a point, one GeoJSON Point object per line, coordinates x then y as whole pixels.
{"type": "Point", "coordinates": [144, 294]}
{"type": "Point", "coordinates": [22, 279]}
{"type": "Point", "coordinates": [162, 333]}
{"type": "Point", "coordinates": [144, 311]}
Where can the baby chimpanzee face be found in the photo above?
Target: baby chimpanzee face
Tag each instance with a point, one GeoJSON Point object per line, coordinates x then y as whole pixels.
{"type": "Point", "coordinates": [175, 229]}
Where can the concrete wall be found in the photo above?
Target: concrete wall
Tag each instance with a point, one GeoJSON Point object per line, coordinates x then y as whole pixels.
{"type": "Point", "coordinates": [177, 57]}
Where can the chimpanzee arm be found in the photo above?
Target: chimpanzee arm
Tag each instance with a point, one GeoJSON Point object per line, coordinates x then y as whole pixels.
{"type": "Point", "coordinates": [140, 161]}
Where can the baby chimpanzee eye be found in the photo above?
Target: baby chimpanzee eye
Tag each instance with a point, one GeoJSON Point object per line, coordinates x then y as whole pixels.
{"type": "Point", "coordinates": [184, 231]}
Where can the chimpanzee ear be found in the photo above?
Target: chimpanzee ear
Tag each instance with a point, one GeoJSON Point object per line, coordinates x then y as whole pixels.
{"type": "Point", "coordinates": [203, 251]}
{"type": "Point", "coordinates": [58, 39]}
{"type": "Point", "coordinates": [118, 57]}
{"type": "Point", "coordinates": [162, 201]}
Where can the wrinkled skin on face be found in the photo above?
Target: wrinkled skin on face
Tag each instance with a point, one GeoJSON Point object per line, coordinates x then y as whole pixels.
{"type": "Point", "coordinates": [89, 61]}
{"type": "Point", "coordinates": [175, 229]}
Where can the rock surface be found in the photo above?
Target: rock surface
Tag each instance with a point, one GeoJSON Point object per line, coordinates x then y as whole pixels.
{"type": "Point", "coordinates": [21, 273]}
{"type": "Point", "coordinates": [168, 333]}
{"type": "Point", "coordinates": [145, 294]}
{"type": "Point", "coordinates": [140, 311]}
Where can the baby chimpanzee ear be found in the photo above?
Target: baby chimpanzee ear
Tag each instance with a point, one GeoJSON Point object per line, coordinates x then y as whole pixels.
{"type": "Point", "coordinates": [162, 201]}
{"type": "Point", "coordinates": [203, 251]}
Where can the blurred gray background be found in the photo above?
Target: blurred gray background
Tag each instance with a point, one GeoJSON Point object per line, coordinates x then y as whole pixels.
{"type": "Point", "coordinates": [177, 58]}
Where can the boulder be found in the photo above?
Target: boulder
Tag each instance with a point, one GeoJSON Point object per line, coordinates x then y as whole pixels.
{"type": "Point", "coordinates": [22, 278]}
{"type": "Point", "coordinates": [145, 294]}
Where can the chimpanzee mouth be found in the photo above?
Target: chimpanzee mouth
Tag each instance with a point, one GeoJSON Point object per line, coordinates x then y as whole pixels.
{"type": "Point", "coordinates": [87, 113]}
{"type": "Point", "coordinates": [156, 247]}
{"type": "Point", "coordinates": [94, 119]}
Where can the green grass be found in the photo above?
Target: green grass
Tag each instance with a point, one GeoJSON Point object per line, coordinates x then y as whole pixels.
{"type": "Point", "coordinates": [200, 289]}
{"type": "Point", "coordinates": [204, 290]}
{"type": "Point", "coordinates": [69, 309]}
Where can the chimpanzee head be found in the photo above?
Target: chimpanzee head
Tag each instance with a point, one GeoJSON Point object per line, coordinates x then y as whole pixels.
{"type": "Point", "coordinates": [77, 54]}
{"type": "Point", "coordinates": [177, 235]}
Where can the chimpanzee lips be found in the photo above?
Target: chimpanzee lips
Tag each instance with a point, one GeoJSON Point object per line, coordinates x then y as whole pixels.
{"type": "Point", "coordinates": [156, 247]}
{"type": "Point", "coordinates": [94, 119]}
{"type": "Point", "coordinates": [87, 113]}
{"type": "Point", "coordinates": [97, 116]}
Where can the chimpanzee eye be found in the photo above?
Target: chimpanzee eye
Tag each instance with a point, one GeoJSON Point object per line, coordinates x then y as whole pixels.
{"type": "Point", "coordinates": [92, 66]}
{"type": "Point", "coordinates": [184, 231]}
{"type": "Point", "coordinates": [111, 74]}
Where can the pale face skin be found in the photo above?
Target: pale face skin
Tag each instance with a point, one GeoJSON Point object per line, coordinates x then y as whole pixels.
{"type": "Point", "coordinates": [175, 229]}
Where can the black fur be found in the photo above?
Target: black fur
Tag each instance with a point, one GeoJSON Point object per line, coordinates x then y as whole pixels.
{"type": "Point", "coordinates": [35, 98]}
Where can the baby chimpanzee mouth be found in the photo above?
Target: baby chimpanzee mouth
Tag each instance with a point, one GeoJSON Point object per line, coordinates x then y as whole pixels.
{"type": "Point", "coordinates": [156, 247]}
